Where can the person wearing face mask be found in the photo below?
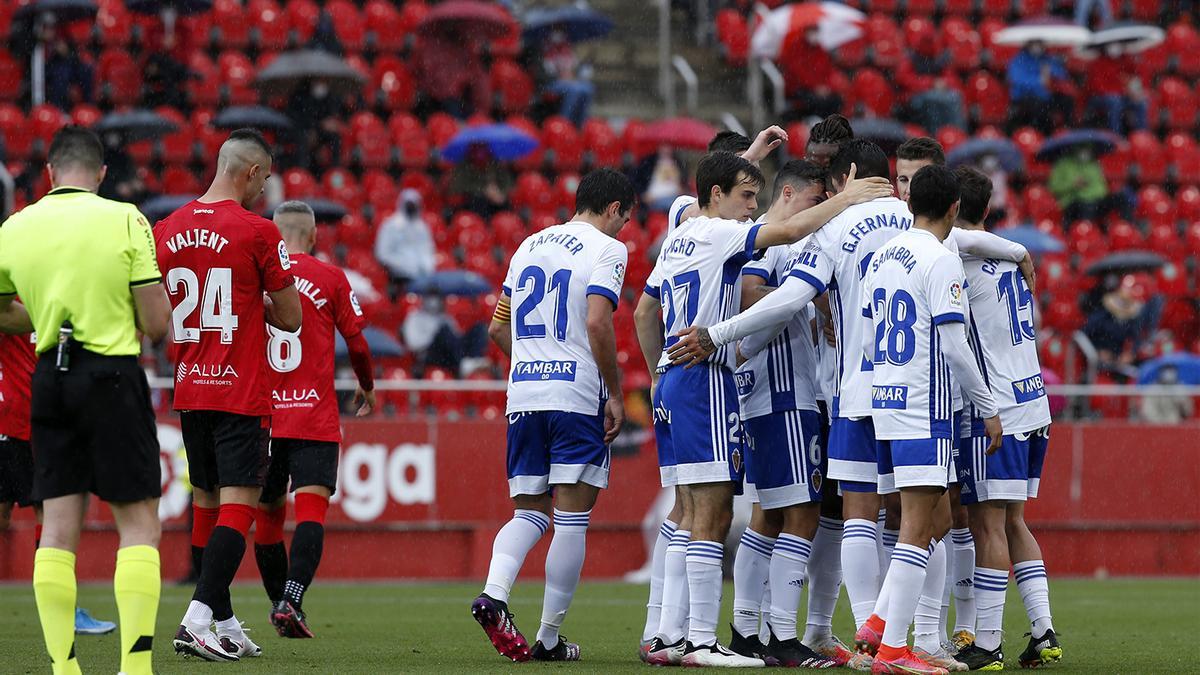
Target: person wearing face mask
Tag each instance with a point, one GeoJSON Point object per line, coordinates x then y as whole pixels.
{"type": "Point", "coordinates": [316, 112]}
{"type": "Point", "coordinates": [1118, 99]}
{"type": "Point", "coordinates": [1031, 76]}
{"type": "Point", "coordinates": [480, 183]}
{"type": "Point", "coordinates": [404, 244]}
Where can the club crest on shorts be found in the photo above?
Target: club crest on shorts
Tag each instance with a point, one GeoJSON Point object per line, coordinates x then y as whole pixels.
{"type": "Point", "coordinates": [815, 480]}
{"type": "Point", "coordinates": [736, 459]}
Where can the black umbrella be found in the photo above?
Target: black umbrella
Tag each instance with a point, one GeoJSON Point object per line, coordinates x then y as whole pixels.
{"type": "Point", "coordinates": [1002, 149]}
{"type": "Point", "coordinates": [63, 11]}
{"type": "Point", "coordinates": [180, 7]}
{"type": "Point", "coordinates": [324, 210]}
{"type": "Point", "coordinates": [1125, 262]}
{"type": "Point", "coordinates": [884, 132]}
{"type": "Point", "coordinates": [256, 116]}
{"type": "Point", "coordinates": [1101, 140]}
{"type": "Point", "coordinates": [293, 69]}
{"type": "Point", "coordinates": [164, 205]}
{"type": "Point", "coordinates": [382, 344]}
{"type": "Point", "coordinates": [136, 125]}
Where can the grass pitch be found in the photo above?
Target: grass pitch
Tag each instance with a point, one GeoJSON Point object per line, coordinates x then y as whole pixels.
{"type": "Point", "coordinates": [1111, 626]}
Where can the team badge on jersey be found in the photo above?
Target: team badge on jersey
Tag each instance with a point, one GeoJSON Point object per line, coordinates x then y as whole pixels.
{"type": "Point", "coordinates": [285, 261]}
{"type": "Point", "coordinates": [815, 479]}
{"type": "Point", "coordinates": [354, 304]}
{"type": "Point", "coordinates": [736, 459]}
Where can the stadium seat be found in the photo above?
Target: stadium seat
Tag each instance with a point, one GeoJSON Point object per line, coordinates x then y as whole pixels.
{"type": "Point", "coordinates": [872, 93]}
{"type": "Point", "coordinates": [532, 161]}
{"type": "Point", "coordinates": [560, 137]}
{"type": "Point", "coordinates": [564, 191]}
{"type": "Point", "coordinates": [987, 97]}
{"type": "Point", "coordinates": [1192, 237]}
{"type": "Point", "coordinates": [512, 85]}
{"type": "Point", "coordinates": [348, 24]}
{"type": "Point", "coordinates": [269, 25]}
{"type": "Point", "coordinates": [509, 230]}
{"type": "Point", "coordinates": [734, 36]}
{"type": "Point", "coordinates": [1183, 156]}
{"type": "Point", "coordinates": [1172, 282]}
{"type": "Point", "coordinates": [1040, 203]}
{"type": "Point", "coordinates": [1187, 203]}
{"type": "Point", "coordinates": [441, 128]}
{"type": "Point", "coordinates": [1116, 165]}
{"type": "Point", "coordinates": [298, 184]}
{"type": "Point", "coordinates": [412, 13]}
{"type": "Point", "coordinates": [15, 137]}
{"type": "Point", "coordinates": [1178, 104]}
{"type": "Point", "coordinates": [1063, 315]}
{"type": "Point", "coordinates": [921, 8]}
{"type": "Point", "coordinates": [385, 30]}
{"type": "Point", "coordinates": [85, 115]}
{"type": "Point", "coordinates": [430, 196]}
{"type": "Point", "coordinates": [394, 86]}
{"type": "Point", "coordinates": [11, 77]}
{"type": "Point", "coordinates": [231, 26]}
{"type": "Point", "coordinates": [302, 18]}
{"type": "Point", "coordinates": [341, 186]}
{"type": "Point", "coordinates": [179, 180]}
{"type": "Point", "coordinates": [1155, 205]}
{"type": "Point", "coordinates": [119, 76]}
{"type": "Point", "coordinates": [1183, 43]}
{"type": "Point", "coordinates": [602, 146]}
{"type": "Point", "coordinates": [1085, 239]}
{"type": "Point", "coordinates": [950, 136]}
{"type": "Point", "coordinates": [1122, 236]}
{"type": "Point", "coordinates": [237, 78]}
{"type": "Point", "coordinates": [44, 121]}
{"type": "Point", "coordinates": [532, 193]}
{"type": "Point", "coordinates": [1164, 240]}
{"type": "Point", "coordinates": [381, 192]}
{"type": "Point", "coordinates": [964, 51]}
{"type": "Point", "coordinates": [1149, 157]}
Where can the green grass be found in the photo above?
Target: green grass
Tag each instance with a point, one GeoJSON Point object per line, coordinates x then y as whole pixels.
{"type": "Point", "coordinates": [1112, 626]}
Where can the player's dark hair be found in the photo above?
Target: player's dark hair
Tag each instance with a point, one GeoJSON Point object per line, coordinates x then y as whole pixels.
{"type": "Point", "coordinates": [722, 170]}
{"type": "Point", "coordinates": [253, 136]}
{"type": "Point", "coordinates": [729, 141]}
{"type": "Point", "coordinates": [799, 174]}
{"type": "Point", "coordinates": [932, 192]}
{"type": "Point", "coordinates": [868, 157]}
{"type": "Point", "coordinates": [834, 129]}
{"type": "Point", "coordinates": [76, 146]}
{"type": "Point", "coordinates": [922, 147]}
{"type": "Point", "coordinates": [602, 187]}
{"type": "Point", "coordinates": [975, 193]}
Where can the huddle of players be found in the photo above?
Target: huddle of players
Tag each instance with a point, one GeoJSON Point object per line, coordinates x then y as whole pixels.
{"type": "Point", "coordinates": [859, 332]}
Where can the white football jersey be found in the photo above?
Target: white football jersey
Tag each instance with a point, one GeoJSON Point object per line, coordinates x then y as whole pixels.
{"type": "Point", "coordinates": [549, 280]}
{"type": "Point", "coordinates": [781, 376]}
{"type": "Point", "coordinates": [1003, 335]}
{"type": "Point", "coordinates": [836, 257]}
{"type": "Point", "coordinates": [826, 360]}
{"type": "Point", "coordinates": [912, 285]}
{"type": "Point", "coordinates": [956, 392]}
{"type": "Point", "coordinates": [698, 277]}
{"type": "Point", "coordinates": [675, 213]}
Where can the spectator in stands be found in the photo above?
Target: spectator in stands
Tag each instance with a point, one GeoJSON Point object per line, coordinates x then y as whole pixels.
{"type": "Point", "coordinates": [1126, 318]}
{"type": "Point", "coordinates": [481, 183]}
{"type": "Point", "coordinates": [165, 75]}
{"type": "Point", "coordinates": [318, 117]}
{"type": "Point", "coordinates": [1118, 97]}
{"type": "Point", "coordinates": [998, 207]}
{"type": "Point", "coordinates": [1078, 183]}
{"type": "Point", "coordinates": [1170, 409]}
{"type": "Point", "coordinates": [121, 181]}
{"type": "Point", "coordinates": [825, 138]}
{"type": "Point", "coordinates": [404, 244]}
{"type": "Point", "coordinates": [1032, 76]}
{"type": "Point", "coordinates": [567, 78]}
{"type": "Point", "coordinates": [69, 80]}
{"type": "Point", "coordinates": [451, 76]}
{"type": "Point", "coordinates": [807, 72]}
{"type": "Point", "coordinates": [433, 337]}
{"type": "Point", "coordinates": [939, 106]}
{"type": "Point", "coordinates": [935, 103]}
{"type": "Point", "coordinates": [659, 179]}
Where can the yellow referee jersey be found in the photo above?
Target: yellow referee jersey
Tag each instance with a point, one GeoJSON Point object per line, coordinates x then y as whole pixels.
{"type": "Point", "coordinates": [74, 256]}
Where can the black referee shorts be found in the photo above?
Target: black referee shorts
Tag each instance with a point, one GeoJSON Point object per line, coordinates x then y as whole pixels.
{"type": "Point", "coordinates": [225, 449]}
{"type": "Point", "coordinates": [16, 472]}
{"type": "Point", "coordinates": [94, 429]}
{"type": "Point", "coordinates": [305, 462]}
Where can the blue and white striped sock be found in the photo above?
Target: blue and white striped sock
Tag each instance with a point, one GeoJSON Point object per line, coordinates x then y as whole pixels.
{"type": "Point", "coordinates": [658, 562]}
{"type": "Point", "coordinates": [512, 544]}
{"type": "Point", "coordinates": [963, 572]}
{"type": "Point", "coordinates": [927, 617]}
{"type": "Point", "coordinates": [905, 578]}
{"type": "Point", "coordinates": [824, 580]}
{"type": "Point", "coordinates": [751, 565]}
{"type": "Point", "coordinates": [675, 589]}
{"type": "Point", "coordinates": [789, 564]}
{"type": "Point", "coordinates": [704, 560]}
{"type": "Point", "coordinates": [860, 567]}
{"type": "Point", "coordinates": [990, 589]}
{"type": "Point", "coordinates": [1035, 593]}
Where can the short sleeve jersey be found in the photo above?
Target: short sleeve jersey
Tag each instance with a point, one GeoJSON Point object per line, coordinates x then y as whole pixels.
{"type": "Point", "coordinates": [74, 256]}
{"type": "Point", "coordinates": [836, 257]}
{"type": "Point", "coordinates": [698, 278]}
{"type": "Point", "coordinates": [549, 280]}
{"type": "Point", "coordinates": [304, 404]}
{"type": "Point", "coordinates": [781, 376]}
{"type": "Point", "coordinates": [218, 260]}
{"type": "Point", "coordinates": [1002, 332]}
{"type": "Point", "coordinates": [675, 213]}
{"type": "Point", "coordinates": [17, 360]}
{"type": "Point", "coordinates": [913, 284]}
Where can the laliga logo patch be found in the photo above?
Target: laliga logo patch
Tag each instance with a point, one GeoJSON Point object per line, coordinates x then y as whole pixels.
{"type": "Point", "coordinates": [618, 276]}
{"type": "Point", "coordinates": [354, 304]}
{"type": "Point", "coordinates": [956, 294]}
{"type": "Point", "coordinates": [285, 261]}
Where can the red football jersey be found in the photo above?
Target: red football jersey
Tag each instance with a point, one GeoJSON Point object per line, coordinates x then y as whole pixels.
{"type": "Point", "coordinates": [217, 260]}
{"type": "Point", "coordinates": [17, 359]}
{"type": "Point", "coordinates": [302, 362]}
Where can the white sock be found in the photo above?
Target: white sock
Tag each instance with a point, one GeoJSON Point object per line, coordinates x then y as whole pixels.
{"type": "Point", "coordinates": [887, 544]}
{"type": "Point", "coordinates": [230, 626]}
{"type": "Point", "coordinates": [928, 614]}
{"type": "Point", "coordinates": [946, 589]}
{"type": "Point", "coordinates": [764, 613]}
{"type": "Point", "coordinates": [751, 565]}
{"type": "Point", "coordinates": [789, 563]}
{"type": "Point", "coordinates": [860, 567]}
{"type": "Point", "coordinates": [1035, 594]}
{"type": "Point", "coordinates": [564, 561]}
{"type": "Point", "coordinates": [963, 568]}
{"type": "Point", "coordinates": [883, 551]}
{"type": "Point", "coordinates": [824, 580]}
{"type": "Point", "coordinates": [198, 616]}
{"type": "Point", "coordinates": [512, 544]}
{"type": "Point", "coordinates": [675, 589]}
{"type": "Point", "coordinates": [990, 588]}
{"type": "Point", "coordinates": [905, 577]}
{"type": "Point", "coordinates": [658, 561]}
{"type": "Point", "coordinates": [704, 560]}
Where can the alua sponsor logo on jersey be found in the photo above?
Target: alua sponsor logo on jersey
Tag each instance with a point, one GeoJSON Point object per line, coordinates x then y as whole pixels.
{"type": "Point", "coordinates": [295, 395]}
{"type": "Point", "coordinates": [204, 370]}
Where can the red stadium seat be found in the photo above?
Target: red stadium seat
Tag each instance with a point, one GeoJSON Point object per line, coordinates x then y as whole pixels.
{"type": "Point", "coordinates": [1149, 157]}
{"type": "Point", "coordinates": [394, 86]}
{"type": "Point", "coordinates": [342, 187]}
{"type": "Point", "coordinates": [734, 36]}
{"type": "Point", "coordinates": [302, 18]}
{"type": "Point", "coordinates": [923, 8]}
{"type": "Point", "coordinates": [179, 180]}
{"type": "Point", "coordinates": [1085, 239]}
{"type": "Point", "coordinates": [950, 136]}
{"type": "Point", "coordinates": [231, 25]}
{"type": "Point", "coordinates": [560, 137]}
{"type": "Point", "coordinates": [1040, 203]}
{"type": "Point", "coordinates": [959, 8]}
{"type": "Point", "coordinates": [873, 93]}
{"type": "Point", "coordinates": [1164, 240]}
{"type": "Point", "coordinates": [348, 24]}
{"type": "Point", "coordinates": [1192, 236]}
{"type": "Point", "coordinates": [532, 192]}
{"type": "Point", "coordinates": [1155, 205]}
{"type": "Point", "coordinates": [44, 121]}
{"type": "Point", "coordinates": [16, 137]}
{"type": "Point", "coordinates": [298, 184]}
{"type": "Point", "coordinates": [11, 76]}
{"type": "Point", "coordinates": [442, 128]}
{"type": "Point", "coordinates": [1183, 155]}
{"type": "Point", "coordinates": [964, 51]}
{"type": "Point", "coordinates": [424, 185]}
{"type": "Point", "coordinates": [1122, 235]}
{"type": "Point", "coordinates": [512, 85]}
{"type": "Point", "coordinates": [601, 145]}
{"type": "Point", "coordinates": [509, 229]}
{"type": "Point", "coordinates": [1145, 10]}
{"type": "Point", "coordinates": [988, 98]}
{"type": "Point", "coordinates": [121, 77]}
{"type": "Point", "coordinates": [533, 160]}
{"type": "Point", "coordinates": [1172, 282]}
{"type": "Point", "coordinates": [1116, 165]}
{"type": "Point", "coordinates": [412, 14]}
{"type": "Point", "coordinates": [384, 26]}
{"type": "Point", "coordinates": [1187, 202]}
{"type": "Point", "coordinates": [237, 77]}
{"type": "Point", "coordinates": [1063, 315]}
{"type": "Point", "coordinates": [381, 191]}
{"type": "Point", "coordinates": [85, 115]}
{"type": "Point", "coordinates": [270, 25]}
{"type": "Point", "coordinates": [564, 191]}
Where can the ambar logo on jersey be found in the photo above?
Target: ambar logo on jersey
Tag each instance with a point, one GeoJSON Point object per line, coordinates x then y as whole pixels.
{"type": "Point", "coordinates": [893, 397]}
{"type": "Point", "coordinates": [1029, 388]}
{"type": "Point", "coordinates": [540, 371]}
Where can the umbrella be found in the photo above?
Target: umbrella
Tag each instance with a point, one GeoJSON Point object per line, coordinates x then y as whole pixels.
{"type": "Point", "coordinates": [1125, 262]}
{"type": "Point", "coordinates": [1102, 142]}
{"type": "Point", "coordinates": [505, 142]}
{"type": "Point", "coordinates": [885, 132]}
{"type": "Point", "coordinates": [291, 69]}
{"type": "Point", "coordinates": [469, 18]}
{"type": "Point", "coordinates": [256, 116]}
{"type": "Point", "coordinates": [1133, 37]}
{"type": "Point", "coordinates": [1034, 240]}
{"type": "Point", "coordinates": [136, 125]}
{"type": "Point", "coordinates": [324, 210]}
{"type": "Point", "coordinates": [180, 7]}
{"type": "Point", "coordinates": [163, 205]}
{"type": "Point", "coordinates": [678, 132]}
{"type": "Point", "coordinates": [1187, 366]}
{"type": "Point", "coordinates": [1004, 150]}
{"type": "Point", "coordinates": [579, 24]}
{"type": "Point", "coordinates": [1054, 32]}
{"type": "Point", "coordinates": [451, 282]}
{"type": "Point", "coordinates": [836, 25]}
{"type": "Point", "coordinates": [381, 343]}
{"type": "Point", "coordinates": [63, 11]}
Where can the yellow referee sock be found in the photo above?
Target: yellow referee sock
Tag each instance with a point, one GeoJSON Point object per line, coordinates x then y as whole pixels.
{"type": "Point", "coordinates": [54, 589]}
{"type": "Point", "coordinates": [137, 584]}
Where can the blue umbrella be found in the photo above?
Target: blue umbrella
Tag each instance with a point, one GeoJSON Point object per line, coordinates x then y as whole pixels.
{"type": "Point", "coordinates": [1033, 239]}
{"type": "Point", "coordinates": [885, 132]}
{"type": "Point", "coordinates": [505, 142]}
{"type": "Point", "coordinates": [452, 282]}
{"type": "Point", "coordinates": [579, 24]}
{"type": "Point", "coordinates": [381, 343]}
{"type": "Point", "coordinates": [1003, 149]}
{"type": "Point", "coordinates": [1186, 365]}
{"type": "Point", "coordinates": [1102, 142]}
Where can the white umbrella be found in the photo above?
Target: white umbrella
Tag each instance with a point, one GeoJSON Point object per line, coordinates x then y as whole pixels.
{"type": "Point", "coordinates": [1133, 37]}
{"type": "Point", "coordinates": [1053, 32]}
{"type": "Point", "coordinates": [836, 25]}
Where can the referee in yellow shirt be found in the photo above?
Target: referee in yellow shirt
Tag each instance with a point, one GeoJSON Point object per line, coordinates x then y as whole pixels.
{"type": "Point", "coordinates": [86, 272]}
